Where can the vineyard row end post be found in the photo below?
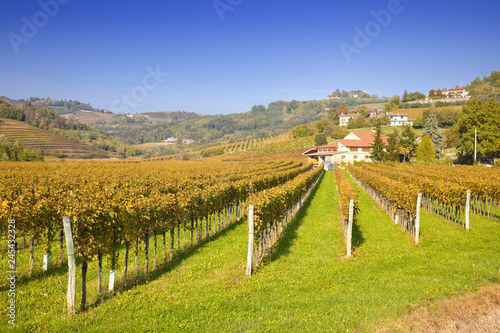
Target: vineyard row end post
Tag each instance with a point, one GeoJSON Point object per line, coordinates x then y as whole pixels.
{"type": "Point", "coordinates": [251, 231]}
{"type": "Point", "coordinates": [417, 220]}
{"type": "Point", "coordinates": [71, 296]}
{"type": "Point", "coordinates": [467, 206]}
{"type": "Point", "coordinates": [349, 227]}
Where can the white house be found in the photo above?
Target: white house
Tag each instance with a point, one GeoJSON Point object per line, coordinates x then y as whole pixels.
{"type": "Point", "coordinates": [399, 119]}
{"type": "Point", "coordinates": [354, 147]}
{"type": "Point", "coordinates": [344, 118]}
{"type": "Point", "coordinates": [454, 92]}
{"type": "Point", "coordinates": [170, 141]}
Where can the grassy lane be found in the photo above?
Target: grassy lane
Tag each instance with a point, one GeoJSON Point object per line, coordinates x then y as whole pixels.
{"type": "Point", "coordinates": [306, 284]}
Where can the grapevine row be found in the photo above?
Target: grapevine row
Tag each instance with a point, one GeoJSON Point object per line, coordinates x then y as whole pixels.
{"type": "Point", "coordinates": [397, 198]}
{"type": "Point", "coordinates": [444, 189]}
{"type": "Point", "coordinates": [275, 207]}
{"type": "Point", "coordinates": [114, 204]}
{"type": "Point", "coordinates": [347, 192]}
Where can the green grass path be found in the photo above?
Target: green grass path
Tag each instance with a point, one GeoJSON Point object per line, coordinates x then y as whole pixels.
{"type": "Point", "coordinates": [305, 285]}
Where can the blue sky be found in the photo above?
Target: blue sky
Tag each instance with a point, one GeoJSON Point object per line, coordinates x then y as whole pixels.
{"type": "Point", "coordinates": [244, 52]}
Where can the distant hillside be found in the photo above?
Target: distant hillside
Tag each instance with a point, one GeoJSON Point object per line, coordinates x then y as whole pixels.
{"type": "Point", "coordinates": [48, 120]}
{"type": "Point", "coordinates": [88, 117]}
{"type": "Point", "coordinates": [487, 87]}
{"type": "Point", "coordinates": [49, 143]}
{"type": "Point", "coordinates": [209, 130]}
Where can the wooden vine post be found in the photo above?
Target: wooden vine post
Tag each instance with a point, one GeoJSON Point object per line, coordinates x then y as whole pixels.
{"type": "Point", "coordinates": [71, 296]}
{"type": "Point", "coordinates": [349, 227]}
{"type": "Point", "coordinates": [251, 231]}
{"type": "Point", "coordinates": [467, 206]}
{"type": "Point", "coordinates": [417, 220]}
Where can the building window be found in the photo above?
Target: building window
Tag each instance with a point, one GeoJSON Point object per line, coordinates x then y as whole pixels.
{"type": "Point", "coordinates": [355, 157]}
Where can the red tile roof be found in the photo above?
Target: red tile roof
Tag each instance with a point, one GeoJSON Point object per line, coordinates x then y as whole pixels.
{"type": "Point", "coordinates": [350, 115]}
{"type": "Point", "coordinates": [327, 153]}
{"type": "Point", "coordinates": [366, 140]}
{"type": "Point", "coordinates": [330, 145]}
{"type": "Point", "coordinates": [454, 89]}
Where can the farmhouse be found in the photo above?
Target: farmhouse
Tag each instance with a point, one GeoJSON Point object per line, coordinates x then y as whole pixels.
{"type": "Point", "coordinates": [187, 141]}
{"type": "Point", "coordinates": [170, 141]}
{"type": "Point", "coordinates": [354, 147]}
{"type": "Point", "coordinates": [454, 92]}
{"type": "Point", "coordinates": [399, 119]}
{"type": "Point", "coordinates": [344, 118]}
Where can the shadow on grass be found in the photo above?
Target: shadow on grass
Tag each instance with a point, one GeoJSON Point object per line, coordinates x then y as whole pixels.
{"type": "Point", "coordinates": [357, 237]}
{"type": "Point", "coordinates": [161, 268]}
{"type": "Point", "coordinates": [289, 235]}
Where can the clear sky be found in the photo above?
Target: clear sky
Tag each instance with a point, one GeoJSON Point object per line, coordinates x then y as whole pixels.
{"type": "Point", "coordinates": [224, 56]}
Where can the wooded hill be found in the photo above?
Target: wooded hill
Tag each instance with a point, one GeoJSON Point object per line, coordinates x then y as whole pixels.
{"type": "Point", "coordinates": [277, 118]}
{"type": "Point", "coordinates": [43, 129]}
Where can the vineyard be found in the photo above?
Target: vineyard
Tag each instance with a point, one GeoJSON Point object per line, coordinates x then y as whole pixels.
{"type": "Point", "coordinates": [169, 241]}
{"type": "Point", "coordinates": [33, 138]}
{"type": "Point", "coordinates": [444, 190]}
{"type": "Point", "coordinates": [255, 147]}
{"type": "Point", "coordinates": [115, 204]}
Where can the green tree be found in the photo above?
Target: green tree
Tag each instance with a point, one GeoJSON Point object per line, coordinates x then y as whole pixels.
{"type": "Point", "coordinates": [320, 139]}
{"type": "Point", "coordinates": [357, 122]}
{"type": "Point", "coordinates": [333, 115]}
{"type": "Point", "coordinates": [377, 148]}
{"type": "Point", "coordinates": [16, 152]}
{"type": "Point", "coordinates": [392, 104]}
{"type": "Point", "coordinates": [425, 151]}
{"type": "Point", "coordinates": [431, 129]}
{"type": "Point", "coordinates": [301, 131]}
{"type": "Point", "coordinates": [320, 125]}
{"type": "Point", "coordinates": [483, 116]}
{"type": "Point", "coordinates": [414, 96]}
{"type": "Point", "coordinates": [342, 109]}
{"type": "Point", "coordinates": [432, 93]}
{"type": "Point", "coordinates": [405, 96]}
{"type": "Point", "coordinates": [392, 153]}
{"type": "Point", "coordinates": [451, 136]}
{"type": "Point", "coordinates": [448, 117]}
{"type": "Point", "coordinates": [258, 108]}
{"type": "Point", "coordinates": [407, 143]}
{"type": "Point", "coordinates": [336, 132]}
{"type": "Point", "coordinates": [384, 119]}
{"type": "Point", "coordinates": [5, 146]}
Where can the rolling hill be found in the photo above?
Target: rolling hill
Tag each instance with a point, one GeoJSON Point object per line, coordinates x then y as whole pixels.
{"type": "Point", "coordinates": [49, 143]}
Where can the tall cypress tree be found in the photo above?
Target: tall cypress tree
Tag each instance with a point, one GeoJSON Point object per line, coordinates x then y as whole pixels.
{"type": "Point", "coordinates": [431, 129]}
{"type": "Point", "coordinates": [407, 144]}
{"type": "Point", "coordinates": [392, 153]}
{"type": "Point", "coordinates": [377, 147]}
